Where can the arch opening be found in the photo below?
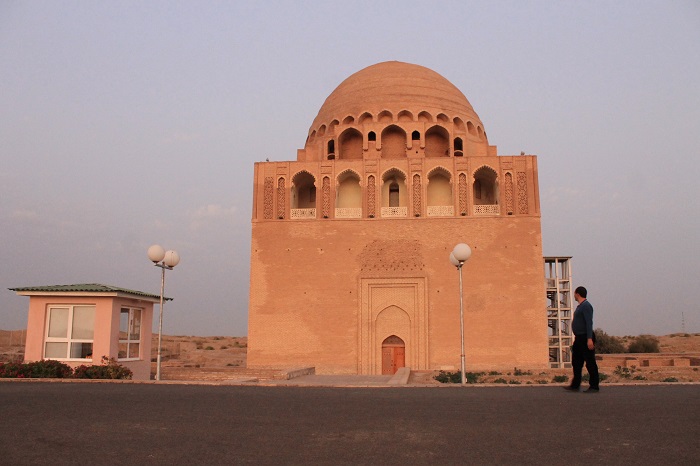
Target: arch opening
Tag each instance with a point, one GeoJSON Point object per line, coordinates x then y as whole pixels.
{"type": "Point", "coordinates": [485, 187]}
{"type": "Point", "coordinates": [350, 144]}
{"type": "Point", "coordinates": [303, 191]}
{"type": "Point", "coordinates": [393, 142]}
{"type": "Point", "coordinates": [437, 142]}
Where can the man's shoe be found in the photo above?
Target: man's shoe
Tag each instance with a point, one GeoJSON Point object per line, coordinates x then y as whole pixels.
{"type": "Point", "coordinates": [569, 388]}
{"type": "Point", "coordinates": [592, 390]}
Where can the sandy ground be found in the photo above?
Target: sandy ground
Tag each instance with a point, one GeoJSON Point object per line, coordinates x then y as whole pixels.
{"type": "Point", "coordinates": [221, 351]}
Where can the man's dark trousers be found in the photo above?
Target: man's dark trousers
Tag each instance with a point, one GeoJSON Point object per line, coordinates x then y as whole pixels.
{"type": "Point", "coordinates": [580, 354]}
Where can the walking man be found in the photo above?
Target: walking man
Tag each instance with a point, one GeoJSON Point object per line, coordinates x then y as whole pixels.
{"type": "Point", "coordinates": [583, 349]}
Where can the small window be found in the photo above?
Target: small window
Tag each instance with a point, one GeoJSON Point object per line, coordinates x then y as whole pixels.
{"type": "Point", "coordinates": [130, 333]}
{"type": "Point", "coordinates": [331, 147]}
{"type": "Point", "coordinates": [394, 194]}
{"type": "Point", "coordinates": [69, 332]}
{"type": "Point", "coordinates": [415, 136]}
{"type": "Point", "coordinates": [371, 136]}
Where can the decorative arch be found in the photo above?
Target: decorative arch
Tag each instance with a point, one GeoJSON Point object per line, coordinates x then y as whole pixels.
{"type": "Point", "coordinates": [425, 116]}
{"type": "Point", "coordinates": [348, 120]}
{"type": "Point", "coordinates": [322, 130]}
{"type": "Point", "coordinates": [385, 116]}
{"type": "Point", "coordinates": [350, 144]}
{"type": "Point", "coordinates": [442, 171]}
{"type": "Point", "coordinates": [442, 118]}
{"type": "Point", "coordinates": [459, 124]}
{"type": "Point", "coordinates": [480, 132]}
{"type": "Point", "coordinates": [437, 142]}
{"type": "Point", "coordinates": [458, 147]}
{"type": "Point", "coordinates": [348, 172]}
{"type": "Point", "coordinates": [393, 142]}
{"type": "Point", "coordinates": [471, 129]}
{"type": "Point", "coordinates": [405, 115]}
{"type": "Point", "coordinates": [439, 192]}
{"type": "Point", "coordinates": [303, 190]}
{"type": "Point", "coordinates": [365, 117]}
{"type": "Point", "coordinates": [394, 191]}
{"type": "Point", "coordinates": [334, 123]}
{"type": "Point", "coordinates": [485, 187]}
{"type": "Point", "coordinates": [348, 192]}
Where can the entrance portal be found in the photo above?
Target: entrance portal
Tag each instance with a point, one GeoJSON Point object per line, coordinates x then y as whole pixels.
{"type": "Point", "coordinates": [393, 355]}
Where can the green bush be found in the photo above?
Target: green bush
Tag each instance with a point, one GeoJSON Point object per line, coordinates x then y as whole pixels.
{"type": "Point", "coordinates": [46, 368]}
{"type": "Point", "coordinates": [560, 378]}
{"type": "Point", "coordinates": [670, 379]}
{"type": "Point", "coordinates": [517, 372]}
{"type": "Point", "coordinates": [644, 344]}
{"type": "Point", "coordinates": [109, 369]}
{"type": "Point", "coordinates": [500, 380]}
{"type": "Point", "coordinates": [456, 377]}
{"type": "Point", "coordinates": [209, 348]}
{"type": "Point", "coordinates": [607, 344]}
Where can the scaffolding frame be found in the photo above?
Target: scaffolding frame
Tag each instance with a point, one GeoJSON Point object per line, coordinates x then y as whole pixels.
{"type": "Point", "coordinates": [559, 311]}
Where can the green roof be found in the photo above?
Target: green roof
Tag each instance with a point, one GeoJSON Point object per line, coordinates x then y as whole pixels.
{"type": "Point", "coordinates": [93, 288]}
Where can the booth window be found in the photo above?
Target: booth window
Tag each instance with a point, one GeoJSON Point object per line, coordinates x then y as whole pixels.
{"type": "Point", "coordinates": [129, 333]}
{"type": "Point", "coordinates": [69, 332]}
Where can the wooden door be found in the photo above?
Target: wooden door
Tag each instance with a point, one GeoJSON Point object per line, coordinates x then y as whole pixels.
{"type": "Point", "coordinates": [393, 355]}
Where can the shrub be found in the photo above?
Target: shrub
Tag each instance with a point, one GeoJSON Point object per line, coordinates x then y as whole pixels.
{"type": "Point", "coordinates": [46, 368]}
{"type": "Point", "coordinates": [607, 344]}
{"type": "Point", "coordinates": [456, 377]}
{"type": "Point", "coordinates": [560, 378]}
{"type": "Point", "coordinates": [670, 379]}
{"type": "Point", "coordinates": [514, 382]}
{"type": "Point", "coordinates": [622, 372]}
{"type": "Point", "coordinates": [521, 372]}
{"type": "Point", "coordinates": [109, 369]}
{"type": "Point", "coordinates": [500, 380]}
{"type": "Point", "coordinates": [644, 344]}
{"type": "Point", "coordinates": [209, 348]}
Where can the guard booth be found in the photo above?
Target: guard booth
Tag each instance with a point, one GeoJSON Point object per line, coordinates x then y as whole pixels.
{"type": "Point", "coordinates": [79, 324]}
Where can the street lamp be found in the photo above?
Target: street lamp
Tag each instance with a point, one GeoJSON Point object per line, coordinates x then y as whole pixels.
{"type": "Point", "coordinates": [459, 255]}
{"type": "Point", "coordinates": [165, 260]}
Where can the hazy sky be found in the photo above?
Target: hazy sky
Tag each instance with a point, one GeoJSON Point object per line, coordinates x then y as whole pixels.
{"type": "Point", "coordinates": [124, 124]}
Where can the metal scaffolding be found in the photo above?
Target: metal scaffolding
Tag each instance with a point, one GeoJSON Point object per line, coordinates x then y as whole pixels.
{"type": "Point", "coordinates": [559, 311]}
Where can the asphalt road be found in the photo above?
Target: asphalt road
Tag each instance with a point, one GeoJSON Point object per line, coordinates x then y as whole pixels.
{"type": "Point", "coordinates": [105, 423]}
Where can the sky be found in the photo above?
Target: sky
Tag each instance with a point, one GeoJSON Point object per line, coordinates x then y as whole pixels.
{"type": "Point", "coordinates": [126, 124]}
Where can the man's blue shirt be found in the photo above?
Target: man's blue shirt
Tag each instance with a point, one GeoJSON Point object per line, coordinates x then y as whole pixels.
{"type": "Point", "coordinates": [583, 320]}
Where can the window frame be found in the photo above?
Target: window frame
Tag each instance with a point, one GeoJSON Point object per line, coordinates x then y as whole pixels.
{"type": "Point", "coordinates": [129, 340]}
{"type": "Point", "coordinates": [68, 339]}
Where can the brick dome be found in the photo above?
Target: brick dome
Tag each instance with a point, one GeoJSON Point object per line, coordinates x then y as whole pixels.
{"type": "Point", "coordinates": [395, 86]}
{"type": "Point", "coordinates": [399, 95]}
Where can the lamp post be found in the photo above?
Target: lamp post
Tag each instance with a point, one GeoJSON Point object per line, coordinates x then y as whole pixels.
{"type": "Point", "coordinates": [459, 255]}
{"type": "Point", "coordinates": [165, 260]}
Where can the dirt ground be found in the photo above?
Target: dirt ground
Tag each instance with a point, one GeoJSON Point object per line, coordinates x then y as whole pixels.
{"type": "Point", "coordinates": [222, 351]}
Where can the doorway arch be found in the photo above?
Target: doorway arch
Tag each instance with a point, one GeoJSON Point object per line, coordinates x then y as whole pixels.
{"type": "Point", "coordinates": [393, 355]}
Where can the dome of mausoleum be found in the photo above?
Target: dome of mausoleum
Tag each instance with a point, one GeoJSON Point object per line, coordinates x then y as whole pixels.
{"type": "Point", "coordinates": [408, 98]}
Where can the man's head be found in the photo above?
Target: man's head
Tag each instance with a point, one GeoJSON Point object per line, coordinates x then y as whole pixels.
{"type": "Point", "coordinates": [581, 293]}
